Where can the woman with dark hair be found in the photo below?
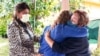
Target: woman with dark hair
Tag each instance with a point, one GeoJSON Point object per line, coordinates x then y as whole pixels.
{"type": "Point", "coordinates": [20, 33]}
{"type": "Point", "coordinates": [75, 44]}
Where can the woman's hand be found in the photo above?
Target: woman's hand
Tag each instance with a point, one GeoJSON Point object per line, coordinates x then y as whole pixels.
{"type": "Point", "coordinates": [48, 39]}
{"type": "Point", "coordinates": [47, 34]}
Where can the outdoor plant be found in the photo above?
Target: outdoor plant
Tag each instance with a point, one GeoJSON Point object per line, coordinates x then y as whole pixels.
{"type": "Point", "coordinates": [96, 52]}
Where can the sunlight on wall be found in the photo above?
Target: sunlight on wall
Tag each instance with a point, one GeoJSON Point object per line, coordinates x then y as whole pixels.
{"type": "Point", "coordinates": [93, 7]}
{"type": "Point", "coordinates": [94, 13]}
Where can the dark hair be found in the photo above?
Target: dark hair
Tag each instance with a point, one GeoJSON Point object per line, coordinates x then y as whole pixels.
{"type": "Point", "coordinates": [83, 20]}
{"type": "Point", "coordinates": [64, 17]}
{"type": "Point", "coordinates": [21, 6]}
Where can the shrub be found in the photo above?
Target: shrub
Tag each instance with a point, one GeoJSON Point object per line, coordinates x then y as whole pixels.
{"type": "Point", "coordinates": [96, 52]}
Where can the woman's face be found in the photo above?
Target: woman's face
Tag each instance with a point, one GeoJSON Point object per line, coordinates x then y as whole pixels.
{"type": "Point", "coordinates": [20, 14]}
{"type": "Point", "coordinates": [74, 18]}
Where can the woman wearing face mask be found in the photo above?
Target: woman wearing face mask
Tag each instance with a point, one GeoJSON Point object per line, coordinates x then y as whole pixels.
{"type": "Point", "coordinates": [20, 34]}
{"type": "Point", "coordinates": [76, 42]}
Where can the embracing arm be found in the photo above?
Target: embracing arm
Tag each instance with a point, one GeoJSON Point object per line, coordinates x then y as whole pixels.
{"type": "Point", "coordinates": [48, 39]}
{"type": "Point", "coordinates": [41, 49]}
{"type": "Point", "coordinates": [58, 47]}
{"type": "Point", "coordinates": [68, 45]}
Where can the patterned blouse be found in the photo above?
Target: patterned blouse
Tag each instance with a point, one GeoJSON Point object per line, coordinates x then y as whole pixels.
{"type": "Point", "coordinates": [21, 39]}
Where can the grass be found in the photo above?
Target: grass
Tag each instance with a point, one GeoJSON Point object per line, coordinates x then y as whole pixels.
{"type": "Point", "coordinates": [96, 52]}
{"type": "Point", "coordinates": [2, 40]}
{"type": "Point", "coordinates": [4, 50]}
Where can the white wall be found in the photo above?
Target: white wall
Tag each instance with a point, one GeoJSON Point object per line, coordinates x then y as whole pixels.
{"type": "Point", "coordinates": [94, 13]}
